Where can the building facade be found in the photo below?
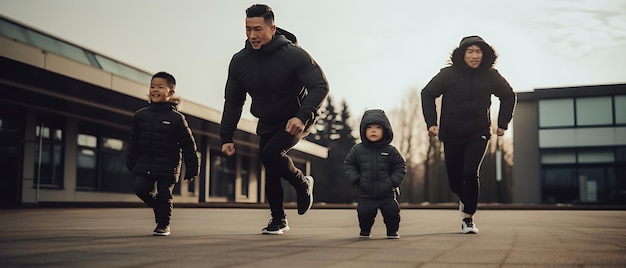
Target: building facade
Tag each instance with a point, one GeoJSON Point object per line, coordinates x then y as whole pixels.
{"type": "Point", "coordinates": [570, 145]}
{"type": "Point", "coordinates": [65, 117]}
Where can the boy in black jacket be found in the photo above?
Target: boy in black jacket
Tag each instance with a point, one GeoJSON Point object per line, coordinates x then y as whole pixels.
{"type": "Point", "coordinates": [377, 168]}
{"type": "Point", "coordinates": [158, 136]}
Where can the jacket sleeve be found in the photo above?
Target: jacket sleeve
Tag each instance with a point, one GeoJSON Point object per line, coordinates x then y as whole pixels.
{"type": "Point", "coordinates": [351, 166]}
{"type": "Point", "coordinates": [314, 80]}
{"type": "Point", "coordinates": [508, 99]}
{"type": "Point", "coordinates": [432, 91]}
{"type": "Point", "coordinates": [131, 155]}
{"type": "Point", "coordinates": [189, 148]}
{"type": "Point", "coordinates": [234, 98]}
{"type": "Point", "coordinates": [397, 168]}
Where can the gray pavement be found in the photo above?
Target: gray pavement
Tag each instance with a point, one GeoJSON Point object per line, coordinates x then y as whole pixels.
{"type": "Point", "coordinates": [230, 237]}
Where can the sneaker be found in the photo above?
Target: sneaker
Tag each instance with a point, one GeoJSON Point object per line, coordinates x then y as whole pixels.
{"type": "Point", "coordinates": [305, 196]}
{"type": "Point", "coordinates": [364, 234]}
{"type": "Point", "coordinates": [161, 230]}
{"type": "Point", "coordinates": [276, 227]}
{"type": "Point", "coordinates": [393, 235]}
{"type": "Point", "coordinates": [468, 226]}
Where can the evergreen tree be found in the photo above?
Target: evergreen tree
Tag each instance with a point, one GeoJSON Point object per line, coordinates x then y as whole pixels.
{"type": "Point", "coordinates": [333, 131]}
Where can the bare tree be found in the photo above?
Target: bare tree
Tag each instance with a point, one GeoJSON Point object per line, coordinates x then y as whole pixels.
{"type": "Point", "coordinates": [411, 140]}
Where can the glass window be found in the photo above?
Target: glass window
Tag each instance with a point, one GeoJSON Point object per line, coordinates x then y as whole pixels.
{"type": "Point", "coordinates": [593, 184]}
{"type": "Point", "coordinates": [245, 176]}
{"type": "Point", "coordinates": [13, 31]}
{"type": "Point", "coordinates": [86, 169]}
{"type": "Point", "coordinates": [49, 170]}
{"type": "Point", "coordinates": [621, 155]}
{"type": "Point", "coordinates": [594, 111]}
{"type": "Point", "coordinates": [556, 113]}
{"type": "Point", "coordinates": [620, 109]}
{"type": "Point", "coordinates": [596, 156]}
{"type": "Point", "coordinates": [222, 178]}
{"type": "Point", "coordinates": [113, 144]}
{"type": "Point", "coordinates": [123, 70]}
{"type": "Point", "coordinates": [558, 157]}
{"type": "Point", "coordinates": [114, 176]}
{"type": "Point", "coordinates": [560, 185]}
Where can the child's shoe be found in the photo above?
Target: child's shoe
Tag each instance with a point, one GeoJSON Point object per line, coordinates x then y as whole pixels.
{"type": "Point", "coordinates": [365, 234]}
{"type": "Point", "coordinates": [393, 235]}
{"type": "Point", "coordinates": [161, 230]}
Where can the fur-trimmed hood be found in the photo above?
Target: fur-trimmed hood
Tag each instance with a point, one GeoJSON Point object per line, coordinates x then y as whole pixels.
{"type": "Point", "coordinates": [489, 54]}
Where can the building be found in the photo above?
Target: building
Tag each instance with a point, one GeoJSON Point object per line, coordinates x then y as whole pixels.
{"type": "Point", "coordinates": [65, 116]}
{"type": "Point", "coordinates": [570, 145]}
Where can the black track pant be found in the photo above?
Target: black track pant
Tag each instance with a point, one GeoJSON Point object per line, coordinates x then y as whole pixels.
{"type": "Point", "coordinates": [161, 203]}
{"type": "Point", "coordinates": [274, 147]}
{"type": "Point", "coordinates": [463, 165]}
{"type": "Point", "coordinates": [368, 208]}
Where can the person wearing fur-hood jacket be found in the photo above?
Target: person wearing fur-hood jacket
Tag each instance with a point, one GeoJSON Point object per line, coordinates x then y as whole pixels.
{"type": "Point", "coordinates": [465, 124]}
{"type": "Point", "coordinates": [377, 168]}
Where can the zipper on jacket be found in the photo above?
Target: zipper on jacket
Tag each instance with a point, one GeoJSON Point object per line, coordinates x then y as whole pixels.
{"type": "Point", "coordinates": [374, 171]}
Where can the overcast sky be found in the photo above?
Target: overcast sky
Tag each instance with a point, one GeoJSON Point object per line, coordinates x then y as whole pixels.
{"type": "Point", "coordinates": [372, 52]}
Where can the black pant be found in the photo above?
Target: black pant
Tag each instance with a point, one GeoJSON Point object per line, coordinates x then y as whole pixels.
{"type": "Point", "coordinates": [463, 165]}
{"type": "Point", "coordinates": [274, 147]}
{"type": "Point", "coordinates": [368, 208]}
{"type": "Point", "coordinates": [161, 203]}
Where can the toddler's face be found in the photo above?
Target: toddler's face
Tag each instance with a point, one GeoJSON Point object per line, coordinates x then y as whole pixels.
{"type": "Point", "coordinates": [159, 90]}
{"type": "Point", "coordinates": [374, 132]}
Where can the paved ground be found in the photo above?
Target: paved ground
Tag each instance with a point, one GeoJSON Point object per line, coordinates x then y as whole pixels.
{"type": "Point", "coordinates": [230, 237]}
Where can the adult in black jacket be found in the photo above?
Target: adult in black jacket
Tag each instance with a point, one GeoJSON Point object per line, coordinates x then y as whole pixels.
{"type": "Point", "coordinates": [465, 125]}
{"type": "Point", "coordinates": [160, 137]}
{"type": "Point", "coordinates": [287, 88]}
{"type": "Point", "coordinates": [377, 168]}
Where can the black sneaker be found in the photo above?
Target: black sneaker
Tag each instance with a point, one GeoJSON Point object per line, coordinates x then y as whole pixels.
{"type": "Point", "coordinates": [393, 235]}
{"type": "Point", "coordinates": [305, 196]}
{"type": "Point", "coordinates": [364, 234]}
{"type": "Point", "coordinates": [468, 226]}
{"type": "Point", "coordinates": [276, 227]}
{"type": "Point", "coordinates": [161, 230]}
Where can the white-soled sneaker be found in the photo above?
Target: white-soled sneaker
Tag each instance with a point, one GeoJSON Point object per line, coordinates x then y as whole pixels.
{"type": "Point", "coordinates": [305, 196]}
{"type": "Point", "coordinates": [161, 231]}
{"type": "Point", "coordinates": [276, 227]}
{"type": "Point", "coordinates": [468, 226]}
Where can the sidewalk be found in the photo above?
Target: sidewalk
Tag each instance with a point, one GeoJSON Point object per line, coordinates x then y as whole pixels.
{"type": "Point", "coordinates": [230, 237]}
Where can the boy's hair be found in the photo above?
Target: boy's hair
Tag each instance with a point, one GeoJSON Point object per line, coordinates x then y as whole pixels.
{"type": "Point", "coordinates": [261, 10]}
{"type": "Point", "coordinates": [171, 81]}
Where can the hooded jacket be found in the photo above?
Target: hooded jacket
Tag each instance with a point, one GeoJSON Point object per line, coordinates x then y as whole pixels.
{"type": "Point", "coordinates": [377, 168]}
{"type": "Point", "coordinates": [275, 77]}
{"type": "Point", "coordinates": [160, 137]}
{"type": "Point", "coordinates": [466, 101]}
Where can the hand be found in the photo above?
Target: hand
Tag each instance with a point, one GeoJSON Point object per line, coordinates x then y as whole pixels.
{"type": "Point", "coordinates": [433, 131]}
{"type": "Point", "coordinates": [228, 149]}
{"type": "Point", "coordinates": [294, 126]}
{"type": "Point", "coordinates": [500, 131]}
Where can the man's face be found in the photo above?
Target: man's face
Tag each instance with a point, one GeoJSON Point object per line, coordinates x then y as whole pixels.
{"type": "Point", "coordinates": [473, 56]}
{"type": "Point", "coordinates": [258, 32]}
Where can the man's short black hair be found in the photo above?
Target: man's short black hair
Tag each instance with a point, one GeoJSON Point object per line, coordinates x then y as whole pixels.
{"type": "Point", "coordinates": [260, 10]}
{"type": "Point", "coordinates": [171, 81]}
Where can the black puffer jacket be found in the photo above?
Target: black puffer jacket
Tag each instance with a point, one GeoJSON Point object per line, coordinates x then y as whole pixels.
{"type": "Point", "coordinates": [160, 137]}
{"type": "Point", "coordinates": [376, 167]}
{"type": "Point", "coordinates": [274, 76]}
{"type": "Point", "coordinates": [466, 101]}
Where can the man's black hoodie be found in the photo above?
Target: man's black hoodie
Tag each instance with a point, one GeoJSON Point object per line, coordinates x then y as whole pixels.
{"type": "Point", "coordinates": [274, 76]}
